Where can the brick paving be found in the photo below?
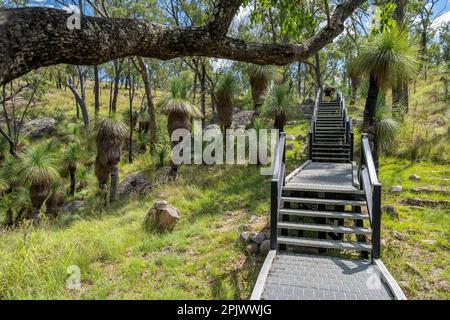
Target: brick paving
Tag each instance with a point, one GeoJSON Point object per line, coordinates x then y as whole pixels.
{"type": "Point", "coordinates": [309, 277]}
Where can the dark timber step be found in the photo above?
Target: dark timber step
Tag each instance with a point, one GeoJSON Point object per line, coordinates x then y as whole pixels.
{"type": "Point", "coordinates": [328, 244]}
{"type": "Point", "coordinates": [324, 214]}
{"type": "Point", "coordinates": [336, 202]}
{"type": "Point", "coordinates": [323, 228]}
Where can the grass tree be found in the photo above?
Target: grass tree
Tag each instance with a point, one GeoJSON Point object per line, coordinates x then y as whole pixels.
{"type": "Point", "coordinates": [72, 155]}
{"type": "Point", "coordinates": [111, 133]}
{"type": "Point", "coordinates": [279, 105]}
{"type": "Point", "coordinates": [259, 77]}
{"type": "Point", "coordinates": [225, 93]}
{"type": "Point", "coordinates": [383, 59]}
{"type": "Point", "coordinates": [180, 112]}
{"type": "Point", "coordinates": [36, 167]}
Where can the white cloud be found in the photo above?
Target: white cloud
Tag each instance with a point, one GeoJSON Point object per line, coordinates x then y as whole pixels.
{"type": "Point", "coordinates": [443, 19]}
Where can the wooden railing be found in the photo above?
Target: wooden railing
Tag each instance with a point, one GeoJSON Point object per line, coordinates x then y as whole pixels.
{"type": "Point", "coordinates": [312, 127]}
{"type": "Point", "coordinates": [372, 189]}
{"type": "Point", "coordinates": [276, 188]}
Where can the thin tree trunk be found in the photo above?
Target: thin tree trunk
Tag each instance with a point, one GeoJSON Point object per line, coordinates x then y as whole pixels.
{"type": "Point", "coordinates": [118, 70]}
{"type": "Point", "coordinates": [130, 138]}
{"type": "Point", "coordinates": [150, 105]}
{"type": "Point", "coordinates": [317, 70]}
{"type": "Point", "coordinates": [80, 102]}
{"type": "Point", "coordinates": [369, 125]}
{"type": "Point", "coordinates": [203, 93]}
{"type": "Point", "coordinates": [96, 91]}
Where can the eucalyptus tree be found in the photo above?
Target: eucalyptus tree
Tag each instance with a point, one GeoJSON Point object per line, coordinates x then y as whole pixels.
{"type": "Point", "coordinates": [50, 42]}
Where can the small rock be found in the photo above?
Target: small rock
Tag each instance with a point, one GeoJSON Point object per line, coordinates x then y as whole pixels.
{"type": "Point", "coordinates": [301, 138]}
{"type": "Point", "coordinates": [399, 235]}
{"type": "Point", "coordinates": [163, 215]}
{"type": "Point", "coordinates": [290, 137]}
{"type": "Point", "coordinates": [244, 237]}
{"type": "Point", "coordinates": [228, 213]}
{"type": "Point", "coordinates": [264, 248]}
{"type": "Point", "coordinates": [252, 248]}
{"type": "Point", "coordinates": [390, 210]}
{"type": "Point", "coordinates": [429, 242]}
{"type": "Point", "coordinates": [258, 238]}
{"type": "Point", "coordinates": [74, 205]}
{"type": "Point", "coordinates": [244, 227]}
{"type": "Point", "coordinates": [414, 177]}
{"type": "Point", "coordinates": [290, 146]}
{"type": "Point", "coordinates": [253, 218]}
{"type": "Point", "coordinates": [396, 189]}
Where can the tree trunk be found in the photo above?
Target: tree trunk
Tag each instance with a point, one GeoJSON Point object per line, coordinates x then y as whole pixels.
{"type": "Point", "coordinates": [96, 91]}
{"type": "Point", "coordinates": [72, 183]}
{"type": "Point", "coordinates": [49, 41]}
{"type": "Point", "coordinates": [150, 105]}
{"type": "Point", "coordinates": [369, 125]}
{"type": "Point", "coordinates": [317, 70]}
{"type": "Point", "coordinates": [117, 70]}
{"type": "Point", "coordinates": [203, 93]}
{"type": "Point", "coordinates": [80, 102]}
{"type": "Point", "coordinates": [130, 138]}
{"type": "Point", "coordinates": [114, 180]}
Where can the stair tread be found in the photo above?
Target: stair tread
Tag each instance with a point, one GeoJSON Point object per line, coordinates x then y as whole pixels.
{"type": "Point", "coordinates": [323, 228]}
{"type": "Point", "coordinates": [329, 244]}
{"type": "Point", "coordinates": [324, 214]}
{"type": "Point", "coordinates": [325, 201]}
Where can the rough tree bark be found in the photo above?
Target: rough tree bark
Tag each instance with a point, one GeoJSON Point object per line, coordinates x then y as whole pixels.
{"type": "Point", "coordinates": [35, 37]}
{"type": "Point", "coordinates": [369, 124]}
{"type": "Point", "coordinates": [81, 102]}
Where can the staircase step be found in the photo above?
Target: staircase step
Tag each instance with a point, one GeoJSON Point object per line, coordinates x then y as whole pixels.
{"type": "Point", "coordinates": [323, 228]}
{"type": "Point", "coordinates": [340, 160]}
{"type": "Point", "coordinates": [328, 244]}
{"type": "Point", "coordinates": [330, 145]}
{"type": "Point", "coordinates": [330, 154]}
{"type": "Point", "coordinates": [325, 214]}
{"type": "Point", "coordinates": [336, 202]}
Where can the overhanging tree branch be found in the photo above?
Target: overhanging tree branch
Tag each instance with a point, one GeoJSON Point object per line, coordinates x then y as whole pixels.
{"type": "Point", "coordinates": [36, 37]}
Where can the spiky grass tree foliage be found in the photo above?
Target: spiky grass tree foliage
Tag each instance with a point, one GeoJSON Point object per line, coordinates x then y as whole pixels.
{"type": "Point", "coordinates": [72, 155]}
{"type": "Point", "coordinates": [55, 201]}
{"type": "Point", "coordinates": [279, 105]}
{"type": "Point", "coordinates": [259, 77]}
{"type": "Point", "coordinates": [225, 93]}
{"type": "Point", "coordinates": [383, 59]}
{"type": "Point", "coordinates": [180, 111]}
{"type": "Point", "coordinates": [386, 134]}
{"type": "Point", "coordinates": [111, 133]}
{"type": "Point", "coordinates": [36, 167]}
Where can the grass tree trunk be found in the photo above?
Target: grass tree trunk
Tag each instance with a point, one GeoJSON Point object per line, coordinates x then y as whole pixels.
{"type": "Point", "coordinates": [279, 122]}
{"type": "Point", "coordinates": [317, 70]}
{"type": "Point", "coordinates": [72, 182]}
{"type": "Point", "coordinates": [114, 179]}
{"type": "Point", "coordinates": [369, 125]}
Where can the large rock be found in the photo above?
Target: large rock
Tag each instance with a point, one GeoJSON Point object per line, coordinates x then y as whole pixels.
{"type": "Point", "coordinates": [163, 216]}
{"type": "Point", "coordinates": [136, 184]}
{"type": "Point", "coordinates": [37, 128]}
{"type": "Point", "coordinates": [290, 137]}
{"type": "Point", "coordinates": [264, 248]}
{"type": "Point", "coordinates": [242, 120]}
{"type": "Point", "coordinates": [426, 202]}
{"type": "Point", "coordinates": [305, 111]}
{"type": "Point", "coordinates": [414, 177]}
{"type": "Point", "coordinates": [73, 206]}
{"type": "Point", "coordinates": [212, 129]}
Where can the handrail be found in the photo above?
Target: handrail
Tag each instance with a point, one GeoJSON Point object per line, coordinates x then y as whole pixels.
{"type": "Point", "coordinates": [276, 188]}
{"type": "Point", "coordinates": [372, 189]}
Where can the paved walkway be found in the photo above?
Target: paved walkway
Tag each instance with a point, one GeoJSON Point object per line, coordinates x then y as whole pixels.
{"type": "Point", "coordinates": [308, 277]}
